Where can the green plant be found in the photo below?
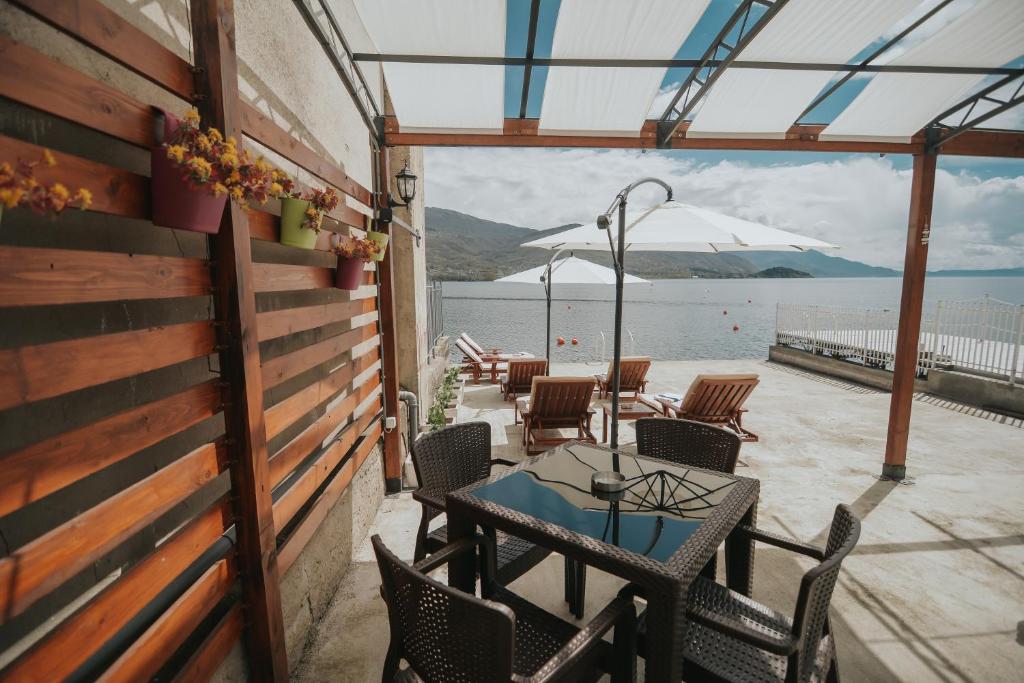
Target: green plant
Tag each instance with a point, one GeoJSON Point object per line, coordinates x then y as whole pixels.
{"type": "Point", "coordinates": [444, 394]}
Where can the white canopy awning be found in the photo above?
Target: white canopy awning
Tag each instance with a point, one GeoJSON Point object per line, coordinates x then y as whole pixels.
{"type": "Point", "coordinates": [572, 271]}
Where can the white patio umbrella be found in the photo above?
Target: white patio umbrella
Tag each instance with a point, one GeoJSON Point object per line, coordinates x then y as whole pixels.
{"type": "Point", "coordinates": [567, 271]}
{"type": "Point", "coordinates": [669, 226]}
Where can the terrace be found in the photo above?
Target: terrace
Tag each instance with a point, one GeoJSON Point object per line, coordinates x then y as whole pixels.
{"type": "Point", "coordinates": [204, 402]}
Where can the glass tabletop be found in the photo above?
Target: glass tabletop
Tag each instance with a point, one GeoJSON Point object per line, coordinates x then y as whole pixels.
{"type": "Point", "coordinates": [659, 508]}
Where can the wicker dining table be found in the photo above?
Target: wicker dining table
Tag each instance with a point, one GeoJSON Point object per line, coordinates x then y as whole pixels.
{"type": "Point", "coordinates": [659, 533]}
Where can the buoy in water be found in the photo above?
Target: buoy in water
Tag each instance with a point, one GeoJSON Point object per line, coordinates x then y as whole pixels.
{"type": "Point", "coordinates": [575, 341]}
{"type": "Point", "coordinates": [748, 301]}
{"type": "Point", "coordinates": [735, 328]}
{"type": "Point", "coordinates": [560, 341]}
{"type": "Point", "coordinates": [725, 312]}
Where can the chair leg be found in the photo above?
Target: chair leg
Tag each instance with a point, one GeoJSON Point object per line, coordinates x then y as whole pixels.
{"type": "Point", "coordinates": [391, 662]}
{"type": "Point", "coordinates": [623, 670]}
{"type": "Point", "coordinates": [575, 586]}
{"type": "Point", "coordinates": [421, 538]}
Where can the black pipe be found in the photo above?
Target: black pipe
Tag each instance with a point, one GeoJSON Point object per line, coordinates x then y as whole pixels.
{"type": "Point", "coordinates": [107, 654]}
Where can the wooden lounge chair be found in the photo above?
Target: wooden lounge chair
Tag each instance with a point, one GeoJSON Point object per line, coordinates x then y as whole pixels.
{"type": "Point", "coordinates": [476, 347]}
{"type": "Point", "coordinates": [633, 376]}
{"type": "Point", "coordinates": [556, 403]}
{"type": "Point", "coordinates": [477, 365]}
{"type": "Point", "coordinates": [714, 399]}
{"type": "Point", "coordinates": [519, 378]}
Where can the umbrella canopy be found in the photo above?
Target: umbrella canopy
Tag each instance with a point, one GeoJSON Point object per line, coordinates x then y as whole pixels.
{"type": "Point", "coordinates": [673, 226]}
{"type": "Point", "coordinates": [572, 271]}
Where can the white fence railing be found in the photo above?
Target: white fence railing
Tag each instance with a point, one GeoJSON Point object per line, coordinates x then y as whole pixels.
{"type": "Point", "coordinates": [983, 337]}
{"type": "Point", "coordinates": [604, 345]}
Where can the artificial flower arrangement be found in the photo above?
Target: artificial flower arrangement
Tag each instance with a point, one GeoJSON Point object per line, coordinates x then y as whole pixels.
{"type": "Point", "coordinates": [302, 214]}
{"type": "Point", "coordinates": [196, 171]}
{"type": "Point", "coordinates": [19, 187]}
{"type": "Point", "coordinates": [352, 253]}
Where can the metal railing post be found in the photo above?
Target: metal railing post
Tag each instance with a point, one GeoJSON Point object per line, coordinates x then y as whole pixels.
{"type": "Point", "coordinates": [1019, 324]}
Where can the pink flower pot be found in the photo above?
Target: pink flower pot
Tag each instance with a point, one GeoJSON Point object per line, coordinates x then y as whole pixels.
{"type": "Point", "coordinates": [350, 273]}
{"type": "Point", "coordinates": [175, 202]}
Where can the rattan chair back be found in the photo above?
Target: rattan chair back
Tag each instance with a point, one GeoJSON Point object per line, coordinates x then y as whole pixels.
{"type": "Point", "coordinates": [445, 635]}
{"type": "Point", "coordinates": [688, 443]}
{"type": "Point", "coordinates": [453, 456]}
{"type": "Point", "coordinates": [817, 586]}
{"type": "Point", "coordinates": [632, 372]}
{"type": "Point", "coordinates": [717, 398]}
{"type": "Point", "coordinates": [560, 400]}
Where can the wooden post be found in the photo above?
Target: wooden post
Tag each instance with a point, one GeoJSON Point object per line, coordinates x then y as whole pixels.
{"type": "Point", "coordinates": [235, 302]}
{"type": "Point", "coordinates": [909, 329]}
{"type": "Point", "coordinates": [389, 363]}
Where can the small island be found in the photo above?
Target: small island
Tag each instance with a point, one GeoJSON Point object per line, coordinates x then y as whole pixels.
{"type": "Point", "coordinates": [781, 271]}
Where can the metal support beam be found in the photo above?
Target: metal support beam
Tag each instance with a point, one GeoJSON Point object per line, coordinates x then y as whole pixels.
{"type": "Point", "coordinates": [909, 329]}
{"type": "Point", "coordinates": [674, 116]}
{"type": "Point", "coordinates": [865, 66]}
{"type": "Point", "coordinates": [531, 42]}
{"type": "Point", "coordinates": [943, 134]}
{"type": "Point", "coordinates": [389, 346]}
{"type": "Point", "coordinates": [235, 303]}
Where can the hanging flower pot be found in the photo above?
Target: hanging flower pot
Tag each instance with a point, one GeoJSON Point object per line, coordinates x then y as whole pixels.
{"type": "Point", "coordinates": [381, 238]}
{"type": "Point", "coordinates": [293, 219]}
{"type": "Point", "coordinates": [303, 214]}
{"type": "Point", "coordinates": [350, 273]}
{"type": "Point", "coordinates": [176, 202]}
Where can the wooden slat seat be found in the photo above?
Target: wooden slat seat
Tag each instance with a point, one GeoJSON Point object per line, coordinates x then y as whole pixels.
{"type": "Point", "coordinates": [556, 403]}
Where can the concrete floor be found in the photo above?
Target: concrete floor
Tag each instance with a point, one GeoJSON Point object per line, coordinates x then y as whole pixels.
{"type": "Point", "coordinates": [933, 592]}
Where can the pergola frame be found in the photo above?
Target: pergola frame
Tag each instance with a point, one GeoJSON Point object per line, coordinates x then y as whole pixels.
{"type": "Point", "coordinates": [670, 132]}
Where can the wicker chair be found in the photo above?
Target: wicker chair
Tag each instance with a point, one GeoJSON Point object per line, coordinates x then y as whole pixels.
{"type": "Point", "coordinates": [730, 637]}
{"type": "Point", "coordinates": [448, 636]}
{"type": "Point", "coordinates": [688, 443]}
{"type": "Point", "coordinates": [519, 378]}
{"type": "Point", "coordinates": [446, 460]}
{"type": "Point", "coordinates": [633, 377]}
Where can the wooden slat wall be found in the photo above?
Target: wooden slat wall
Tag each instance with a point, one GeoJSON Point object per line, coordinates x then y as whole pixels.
{"type": "Point", "coordinates": [160, 451]}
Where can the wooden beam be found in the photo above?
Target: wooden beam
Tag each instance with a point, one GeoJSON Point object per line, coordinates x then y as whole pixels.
{"type": "Point", "coordinates": [389, 366]}
{"type": "Point", "coordinates": [213, 26]}
{"type": "Point", "coordinates": [799, 138]}
{"type": "Point", "coordinates": [909, 329]}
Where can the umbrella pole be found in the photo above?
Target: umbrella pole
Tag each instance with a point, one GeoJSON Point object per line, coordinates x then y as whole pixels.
{"type": "Point", "coordinates": [619, 282]}
{"type": "Point", "coordinates": [547, 346]}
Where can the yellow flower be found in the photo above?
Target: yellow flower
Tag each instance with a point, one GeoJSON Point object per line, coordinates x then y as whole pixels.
{"type": "Point", "coordinates": [311, 212]}
{"type": "Point", "coordinates": [10, 198]}
{"type": "Point", "coordinates": [231, 141]}
{"type": "Point", "coordinates": [234, 178]}
{"type": "Point", "coordinates": [60, 191]}
{"type": "Point", "coordinates": [192, 117]}
{"type": "Point", "coordinates": [214, 135]}
{"type": "Point", "coordinates": [84, 197]}
{"type": "Point", "coordinates": [203, 143]}
{"type": "Point", "coordinates": [48, 158]}
{"type": "Point", "coordinates": [262, 165]}
{"type": "Point", "coordinates": [201, 167]}
{"type": "Point", "coordinates": [176, 153]}
{"type": "Point", "coordinates": [276, 189]}
{"type": "Point", "coordinates": [219, 189]}
{"type": "Point", "coordinates": [229, 159]}
{"type": "Point", "coordinates": [237, 193]}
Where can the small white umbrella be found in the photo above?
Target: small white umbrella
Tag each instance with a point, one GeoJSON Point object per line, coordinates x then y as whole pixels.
{"type": "Point", "coordinates": [568, 271]}
{"type": "Point", "coordinates": [669, 226]}
{"type": "Point", "coordinates": [673, 226]}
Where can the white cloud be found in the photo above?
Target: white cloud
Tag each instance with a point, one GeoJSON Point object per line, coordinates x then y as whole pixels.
{"type": "Point", "coordinates": [860, 203]}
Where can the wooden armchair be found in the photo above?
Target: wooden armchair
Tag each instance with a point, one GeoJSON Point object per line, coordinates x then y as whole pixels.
{"type": "Point", "coordinates": [556, 403]}
{"type": "Point", "coordinates": [633, 377]}
{"type": "Point", "coordinates": [519, 378]}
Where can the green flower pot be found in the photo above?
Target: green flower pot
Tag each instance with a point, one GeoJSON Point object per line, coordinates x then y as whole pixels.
{"type": "Point", "coordinates": [293, 212]}
{"type": "Point", "coordinates": [380, 238]}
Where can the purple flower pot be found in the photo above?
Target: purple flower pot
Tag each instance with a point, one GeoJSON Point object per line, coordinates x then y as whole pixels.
{"type": "Point", "coordinates": [176, 203]}
{"type": "Point", "coordinates": [350, 273]}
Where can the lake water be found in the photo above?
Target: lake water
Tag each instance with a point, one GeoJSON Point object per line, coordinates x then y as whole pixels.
{"type": "Point", "coordinates": [675, 319]}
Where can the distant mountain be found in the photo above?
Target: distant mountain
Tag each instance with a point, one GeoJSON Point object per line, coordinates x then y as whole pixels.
{"type": "Point", "coordinates": [817, 264]}
{"type": "Point", "coordinates": [464, 247]}
{"type": "Point", "coordinates": [780, 272]}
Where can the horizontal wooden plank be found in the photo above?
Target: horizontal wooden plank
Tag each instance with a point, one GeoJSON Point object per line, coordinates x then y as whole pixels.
{"type": "Point", "coordinates": [265, 226]}
{"type": "Point", "coordinates": [147, 654]}
{"type": "Point", "coordinates": [90, 22]}
{"type": "Point", "coordinates": [35, 277]}
{"type": "Point", "coordinates": [260, 127]}
{"type": "Point", "coordinates": [33, 79]}
{"type": "Point", "coordinates": [33, 373]}
{"type": "Point", "coordinates": [311, 521]}
{"type": "Point", "coordinates": [273, 324]}
{"type": "Point", "coordinates": [71, 643]}
{"type": "Point", "coordinates": [114, 191]}
{"type": "Point", "coordinates": [207, 658]}
{"type": "Point", "coordinates": [278, 277]}
{"type": "Point", "coordinates": [297, 495]}
{"type": "Point", "coordinates": [292, 408]}
{"type": "Point", "coordinates": [295, 451]}
{"type": "Point", "coordinates": [38, 567]}
{"type": "Point", "coordinates": [295, 363]}
{"type": "Point", "coordinates": [47, 466]}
